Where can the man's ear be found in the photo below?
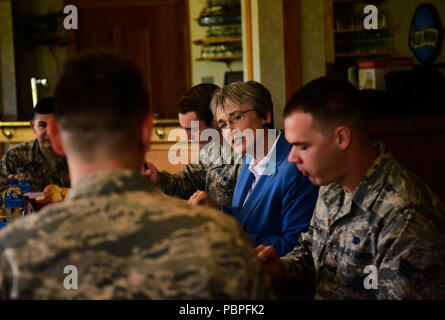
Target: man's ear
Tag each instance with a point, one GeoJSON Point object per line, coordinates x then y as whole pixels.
{"type": "Point", "coordinates": [343, 137]}
{"type": "Point", "coordinates": [147, 128]}
{"type": "Point", "coordinates": [31, 123]}
{"type": "Point", "coordinates": [56, 139]}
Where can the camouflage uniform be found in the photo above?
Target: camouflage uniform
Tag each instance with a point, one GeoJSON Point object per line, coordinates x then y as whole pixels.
{"type": "Point", "coordinates": [392, 221]}
{"type": "Point", "coordinates": [40, 172]}
{"type": "Point", "coordinates": [128, 241]}
{"type": "Point", "coordinates": [213, 175]}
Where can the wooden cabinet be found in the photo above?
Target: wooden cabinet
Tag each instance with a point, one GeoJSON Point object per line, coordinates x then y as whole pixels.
{"type": "Point", "coordinates": [155, 34]}
{"type": "Point", "coordinates": [166, 138]}
{"type": "Point", "coordinates": [346, 38]}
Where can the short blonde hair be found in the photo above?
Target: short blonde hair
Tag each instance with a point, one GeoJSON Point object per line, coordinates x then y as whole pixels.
{"type": "Point", "coordinates": [240, 93]}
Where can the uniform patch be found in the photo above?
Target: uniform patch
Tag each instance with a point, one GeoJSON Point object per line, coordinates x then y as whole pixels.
{"type": "Point", "coordinates": [317, 228]}
{"type": "Point", "coordinates": [417, 276]}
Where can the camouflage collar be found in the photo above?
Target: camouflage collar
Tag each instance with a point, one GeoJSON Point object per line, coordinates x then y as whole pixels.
{"type": "Point", "coordinates": [213, 153]}
{"type": "Point", "coordinates": [368, 188]}
{"type": "Point", "coordinates": [35, 159]}
{"type": "Point", "coordinates": [108, 182]}
{"type": "Point", "coordinates": [37, 156]}
{"type": "Point", "coordinates": [35, 151]}
{"type": "Point", "coordinates": [216, 154]}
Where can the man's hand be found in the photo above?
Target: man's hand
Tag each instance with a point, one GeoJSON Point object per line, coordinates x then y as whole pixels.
{"type": "Point", "coordinates": [150, 171]}
{"type": "Point", "coordinates": [272, 264]}
{"type": "Point", "coordinates": [202, 198]}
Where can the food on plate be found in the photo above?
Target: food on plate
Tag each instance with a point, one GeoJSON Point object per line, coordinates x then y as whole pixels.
{"type": "Point", "coordinates": [52, 193]}
{"type": "Point", "coordinates": [64, 192]}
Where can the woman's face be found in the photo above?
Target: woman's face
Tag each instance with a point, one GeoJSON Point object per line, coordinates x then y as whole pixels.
{"type": "Point", "coordinates": [239, 125]}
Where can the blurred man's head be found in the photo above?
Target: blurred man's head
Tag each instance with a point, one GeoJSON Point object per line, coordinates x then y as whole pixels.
{"type": "Point", "coordinates": [43, 111]}
{"type": "Point", "coordinates": [322, 121]}
{"type": "Point", "coordinates": [102, 109]}
{"type": "Point", "coordinates": [194, 105]}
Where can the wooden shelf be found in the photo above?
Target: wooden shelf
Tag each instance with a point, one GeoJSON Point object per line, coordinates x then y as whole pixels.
{"type": "Point", "coordinates": [365, 30]}
{"type": "Point", "coordinates": [221, 58]}
{"type": "Point", "coordinates": [217, 40]}
{"type": "Point", "coordinates": [331, 35]}
{"type": "Point", "coordinates": [364, 54]}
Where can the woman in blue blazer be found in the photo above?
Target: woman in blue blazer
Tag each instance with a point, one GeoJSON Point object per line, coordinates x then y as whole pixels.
{"type": "Point", "coordinates": [280, 205]}
{"type": "Point", "coordinates": [272, 200]}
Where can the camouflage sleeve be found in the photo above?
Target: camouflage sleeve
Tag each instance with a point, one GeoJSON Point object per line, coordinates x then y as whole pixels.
{"type": "Point", "coordinates": [7, 165]}
{"type": "Point", "coordinates": [183, 184]}
{"type": "Point", "coordinates": [413, 259]}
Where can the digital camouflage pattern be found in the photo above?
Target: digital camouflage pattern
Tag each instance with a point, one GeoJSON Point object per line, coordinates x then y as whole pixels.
{"type": "Point", "coordinates": [40, 172]}
{"type": "Point", "coordinates": [128, 241]}
{"type": "Point", "coordinates": [216, 173]}
{"type": "Point", "coordinates": [392, 221]}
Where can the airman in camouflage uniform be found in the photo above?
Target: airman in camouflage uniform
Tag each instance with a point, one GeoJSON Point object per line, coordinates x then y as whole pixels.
{"type": "Point", "coordinates": [212, 174]}
{"type": "Point", "coordinates": [217, 169]}
{"type": "Point", "coordinates": [39, 170]}
{"type": "Point", "coordinates": [39, 162]}
{"type": "Point", "coordinates": [377, 231]}
{"type": "Point", "coordinates": [128, 241]}
{"type": "Point", "coordinates": [115, 236]}
{"type": "Point", "coordinates": [392, 221]}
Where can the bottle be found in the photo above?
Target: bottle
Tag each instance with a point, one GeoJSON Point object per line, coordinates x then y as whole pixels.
{"type": "Point", "coordinates": [14, 201]}
{"type": "Point", "coordinates": [22, 181]}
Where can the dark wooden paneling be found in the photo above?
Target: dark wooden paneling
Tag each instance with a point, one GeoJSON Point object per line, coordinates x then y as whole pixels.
{"type": "Point", "coordinates": [418, 143]}
{"type": "Point", "coordinates": [154, 34]}
{"type": "Point", "coordinates": [292, 43]}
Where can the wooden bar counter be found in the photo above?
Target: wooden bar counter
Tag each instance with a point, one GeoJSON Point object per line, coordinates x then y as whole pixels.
{"type": "Point", "coordinates": [13, 133]}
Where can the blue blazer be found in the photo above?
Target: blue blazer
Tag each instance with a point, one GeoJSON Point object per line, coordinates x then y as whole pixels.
{"type": "Point", "coordinates": [280, 205]}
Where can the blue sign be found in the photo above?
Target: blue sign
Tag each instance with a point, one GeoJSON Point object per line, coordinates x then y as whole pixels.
{"type": "Point", "coordinates": [426, 33]}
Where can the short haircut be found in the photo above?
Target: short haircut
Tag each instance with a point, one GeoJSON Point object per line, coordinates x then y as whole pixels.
{"type": "Point", "coordinates": [240, 93]}
{"type": "Point", "coordinates": [43, 106]}
{"type": "Point", "coordinates": [331, 102]}
{"type": "Point", "coordinates": [101, 99]}
{"type": "Point", "coordinates": [197, 100]}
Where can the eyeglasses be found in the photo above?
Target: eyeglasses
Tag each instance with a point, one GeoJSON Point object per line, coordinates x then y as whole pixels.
{"type": "Point", "coordinates": [233, 118]}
